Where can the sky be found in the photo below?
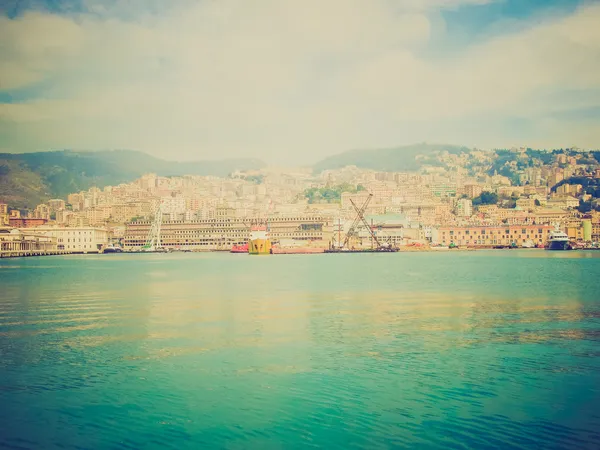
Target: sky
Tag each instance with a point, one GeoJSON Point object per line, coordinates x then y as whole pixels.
{"type": "Point", "coordinates": [293, 81]}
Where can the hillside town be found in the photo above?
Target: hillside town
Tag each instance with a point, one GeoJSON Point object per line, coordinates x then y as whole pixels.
{"type": "Point", "coordinates": [475, 199]}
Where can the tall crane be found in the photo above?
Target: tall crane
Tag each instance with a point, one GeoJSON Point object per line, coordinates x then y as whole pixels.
{"type": "Point", "coordinates": [360, 214]}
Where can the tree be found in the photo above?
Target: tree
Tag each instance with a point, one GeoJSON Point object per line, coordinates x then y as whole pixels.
{"type": "Point", "coordinates": [486, 198]}
{"type": "Point", "coordinates": [537, 202]}
{"type": "Point", "coordinates": [584, 207]}
{"type": "Point", "coordinates": [332, 194]}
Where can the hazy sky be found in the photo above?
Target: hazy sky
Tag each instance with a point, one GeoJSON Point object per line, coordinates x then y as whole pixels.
{"type": "Point", "coordinates": [295, 80]}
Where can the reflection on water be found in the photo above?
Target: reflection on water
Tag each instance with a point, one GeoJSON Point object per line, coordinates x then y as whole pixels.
{"type": "Point", "coordinates": [482, 349]}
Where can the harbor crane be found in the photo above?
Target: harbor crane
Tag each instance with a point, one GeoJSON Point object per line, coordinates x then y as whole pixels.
{"type": "Point", "coordinates": [360, 214]}
{"type": "Point", "coordinates": [360, 220]}
{"type": "Point", "coordinates": [354, 227]}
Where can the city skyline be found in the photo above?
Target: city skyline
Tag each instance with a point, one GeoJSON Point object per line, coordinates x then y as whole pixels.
{"type": "Point", "coordinates": [294, 83]}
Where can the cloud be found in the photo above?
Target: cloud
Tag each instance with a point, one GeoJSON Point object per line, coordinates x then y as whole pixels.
{"type": "Point", "coordinates": [299, 78]}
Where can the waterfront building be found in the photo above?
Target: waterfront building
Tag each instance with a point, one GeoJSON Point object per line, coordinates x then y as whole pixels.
{"type": "Point", "coordinates": [576, 230]}
{"type": "Point", "coordinates": [77, 239]}
{"type": "Point", "coordinates": [25, 241]}
{"type": "Point", "coordinates": [222, 232]}
{"type": "Point", "coordinates": [489, 236]}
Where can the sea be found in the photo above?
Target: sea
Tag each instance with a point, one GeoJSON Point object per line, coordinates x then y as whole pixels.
{"type": "Point", "coordinates": [494, 349]}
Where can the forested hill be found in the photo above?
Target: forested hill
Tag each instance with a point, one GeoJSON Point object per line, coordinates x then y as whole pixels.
{"type": "Point", "coordinates": [27, 179]}
{"type": "Point", "coordinates": [396, 159]}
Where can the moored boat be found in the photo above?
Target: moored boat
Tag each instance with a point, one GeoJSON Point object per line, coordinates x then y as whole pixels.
{"type": "Point", "coordinates": [276, 250]}
{"type": "Point", "coordinates": [242, 248]}
{"type": "Point", "coordinates": [558, 240]}
{"type": "Point", "coordinates": [260, 242]}
{"type": "Point", "coordinates": [112, 249]}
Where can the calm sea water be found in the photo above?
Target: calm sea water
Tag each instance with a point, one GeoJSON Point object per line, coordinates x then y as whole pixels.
{"type": "Point", "coordinates": [497, 349]}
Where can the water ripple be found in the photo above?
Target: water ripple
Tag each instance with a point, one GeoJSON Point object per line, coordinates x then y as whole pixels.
{"type": "Point", "coordinates": [197, 351]}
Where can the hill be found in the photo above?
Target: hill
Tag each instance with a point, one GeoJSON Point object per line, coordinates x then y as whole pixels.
{"type": "Point", "coordinates": [27, 179]}
{"type": "Point", "coordinates": [397, 159]}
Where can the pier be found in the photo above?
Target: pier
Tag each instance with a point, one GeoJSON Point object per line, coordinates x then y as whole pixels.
{"type": "Point", "coordinates": [23, 253]}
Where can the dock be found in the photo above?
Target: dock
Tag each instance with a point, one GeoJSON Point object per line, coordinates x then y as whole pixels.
{"type": "Point", "coordinates": [24, 253]}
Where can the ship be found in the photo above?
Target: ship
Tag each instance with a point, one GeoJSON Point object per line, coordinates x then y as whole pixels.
{"type": "Point", "coordinates": [260, 242]}
{"type": "Point", "coordinates": [362, 250]}
{"type": "Point", "coordinates": [112, 249]}
{"type": "Point", "coordinates": [241, 248]}
{"type": "Point", "coordinates": [277, 250]}
{"type": "Point", "coordinates": [558, 240]}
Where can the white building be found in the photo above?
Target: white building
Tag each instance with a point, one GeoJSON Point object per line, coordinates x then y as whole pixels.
{"type": "Point", "coordinates": [464, 207]}
{"type": "Point", "coordinates": [77, 239]}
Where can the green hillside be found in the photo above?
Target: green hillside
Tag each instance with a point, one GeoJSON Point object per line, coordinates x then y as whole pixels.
{"type": "Point", "coordinates": [397, 159]}
{"type": "Point", "coordinates": [30, 178]}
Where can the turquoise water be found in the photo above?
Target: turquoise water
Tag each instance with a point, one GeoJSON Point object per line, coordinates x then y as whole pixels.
{"type": "Point", "coordinates": [497, 349]}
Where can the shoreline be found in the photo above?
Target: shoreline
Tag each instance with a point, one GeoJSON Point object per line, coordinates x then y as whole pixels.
{"type": "Point", "coordinates": [21, 254]}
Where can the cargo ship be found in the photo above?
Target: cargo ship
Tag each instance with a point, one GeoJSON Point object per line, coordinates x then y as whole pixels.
{"type": "Point", "coordinates": [260, 242]}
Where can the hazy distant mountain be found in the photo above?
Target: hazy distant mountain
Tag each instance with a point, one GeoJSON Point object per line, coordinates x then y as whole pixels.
{"type": "Point", "coordinates": [395, 159]}
{"type": "Point", "coordinates": [27, 179]}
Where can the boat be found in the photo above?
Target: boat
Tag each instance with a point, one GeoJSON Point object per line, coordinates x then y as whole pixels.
{"type": "Point", "coordinates": [112, 249]}
{"type": "Point", "coordinates": [260, 242]}
{"type": "Point", "coordinates": [558, 240]}
{"type": "Point", "coordinates": [382, 249]}
{"type": "Point", "coordinates": [242, 248]}
{"type": "Point", "coordinates": [276, 250]}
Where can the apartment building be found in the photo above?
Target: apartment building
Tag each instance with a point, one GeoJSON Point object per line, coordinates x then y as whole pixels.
{"type": "Point", "coordinates": [3, 214]}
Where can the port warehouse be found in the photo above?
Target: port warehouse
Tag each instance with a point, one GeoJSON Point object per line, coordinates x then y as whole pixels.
{"type": "Point", "coordinates": [492, 235]}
